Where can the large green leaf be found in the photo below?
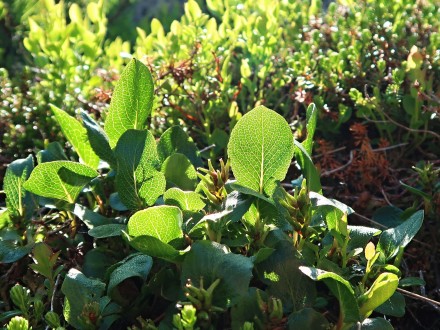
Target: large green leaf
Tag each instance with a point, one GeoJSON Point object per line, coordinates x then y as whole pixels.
{"type": "Point", "coordinates": [163, 222]}
{"type": "Point", "coordinates": [340, 288]}
{"type": "Point", "coordinates": [79, 291]}
{"type": "Point", "coordinates": [137, 180]}
{"type": "Point", "coordinates": [74, 131]}
{"type": "Point", "coordinates": [391, 240]}
{"type": "Point", "coordinates": [212, 261]}
{"type": "Point", "coordinates": [179, 172]}
{"type": "Point", "coordinates": [98, 139]}
{"type": "Point", "coordinates": [136, 265]}
{"type": "Point", "coordinates": [260, 149]}
{"type": "Point", "coordinates": [394, 306]}
{"type": "Point", "coordinates": [108, 230]}
{"type": "Point", "coordinates": [280, 272]}
{"type": "Point", "coordinates": [18, 200]}
{"type": "Point", "coordinates": [175, 140]}
{"type": "Point", "coordinates": [59, 179]}
{"type": "Point", "coordinates": [186, 200]}
{"type": "Point", "coordinates": [131, 102]}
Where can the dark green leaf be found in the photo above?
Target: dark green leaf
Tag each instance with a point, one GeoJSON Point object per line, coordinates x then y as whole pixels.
{"type": "Point", "coordinates": [104, 231]}
{"type": "Point", "coordinates": [394, 238]}
{"type": "Point", "coordinates": [284, 279]}
{"type": "Point", "coordinates": [176, 140]}
{"type": "Point", "coordinates": [10, 252]}
{"type": "Point", "coordinates": [137, 265]}
{"type": "Point", "coordinates": [79, 291]}
{"type": "Point", "coordinates": [212, 261]}
{"type": "Point", "coordinates": [411, 281]}
{"type": "Point", "coordinates": [389, 216]}
{"type": "Point", "coordinates": [54, 151]}
{"type": "Point", "coordinates": [395, 306]}
{"type": "Point", "coordinates": [307, 318]}
{"type": "Point", "coordinates": [98, 139]}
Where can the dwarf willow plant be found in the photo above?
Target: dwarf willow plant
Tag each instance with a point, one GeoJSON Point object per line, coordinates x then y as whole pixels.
{"type": "Point", "coordinates": [188, 249]}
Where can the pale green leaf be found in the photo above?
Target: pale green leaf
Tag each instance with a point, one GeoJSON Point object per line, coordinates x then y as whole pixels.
{"type": "Point", "coordinates": [74, 131]}
{"type": "Point", "coordinates": [186, 200]}
{"type": "Point", "coordinates": [380, 291]}
{"type": "Point", "coordinates": [17, 199]}
{"type": "Point", "coordinates": [137, 180]}
{"type": "Point", "coordinates": [175, 139]}
{"type": "Point", "coordinates": [260, 149]}
{"type": "Point", "coordinates": [59, 179]}
{"type": "Point", "coordinates": [312, 116]}
{"type": "Point", "coordinates": [163, 222]}
{"type": "Point", "coordinates": [179, 172]}
{"type": "Point", "coordinates": [131, 102]}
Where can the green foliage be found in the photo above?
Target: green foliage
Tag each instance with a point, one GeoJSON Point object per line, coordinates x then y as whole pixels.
{"type": "Point", "coordinates": [207, 252]}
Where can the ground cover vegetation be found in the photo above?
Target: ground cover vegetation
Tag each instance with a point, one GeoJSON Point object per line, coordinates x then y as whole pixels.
{"type": "Point", "coordinates": [187, 174]}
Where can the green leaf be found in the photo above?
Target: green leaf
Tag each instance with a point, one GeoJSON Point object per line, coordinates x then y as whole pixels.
{"type": "Point", "coordinates": [212, 261]}
{"type": "Point", "coordinates": [380, 291]}
{"type": "Point", "coordinates": [154, 247]}
{"type": "Point", "coordinates": [308, 168]}
{"type": "Point", "coordinates": [394, 306]}
{"type": "Point", "coordinates": [90, 218]}
{"type": "Point", "coordinates": [360, 236]}
{"type": "Point", "coordinates": [18, 200]}
{"type": "Point", "coordinates": [137, 180]}
{"type": "Point", "coordinates": [77, 136]}
{"type": "Point", "coordinates": [307, 318]}
{"type": "Point", "coordinates": [394, 238]}
{"type": "Point", "coordinates": [411, 281]}
{"type": "Point", "coordinates": [176, 140]}
{"type": "Point", "coordinates": [110, 230]}
{"type": "Point", "coordinates": [260, 149]}
{"type": "Point", "coordinates": [373, 324]}
{"type": "Point", "coordinates": [45, 260]}
{"type": "Point", "coordinates": [163, 222]}
{"type": "Point", "coordinates": [389, 216]}
{"type": "Point", "coordinates": [280, 272]}
{"type": "Point", "coordinates": [247, 309]}
{"type": "Point", "coordinates": [59, 179]}
{"type": "Point", "coordinates": [131, 103]}
{"type": "Point", "coordinates": [185, 200]}
{"type": "Point", "coordinates": [10, 252]}
{"type": "Point", "coordinates": [79, 291]}
{"type": "Point", "coordinates": [179, 172]}
{"type": "Point", "coordinates": [97, 261]}
{"type": "Point", "coordinates": [54, 151]}
{"type": "Point", "coordinates": [137, 265]}
{"type": "Point", "coordinates": [98, 139]}
{"type": "Point", "coordinates": [312, 117]}
{"type": "Point", "coordinates": [340, 288]}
